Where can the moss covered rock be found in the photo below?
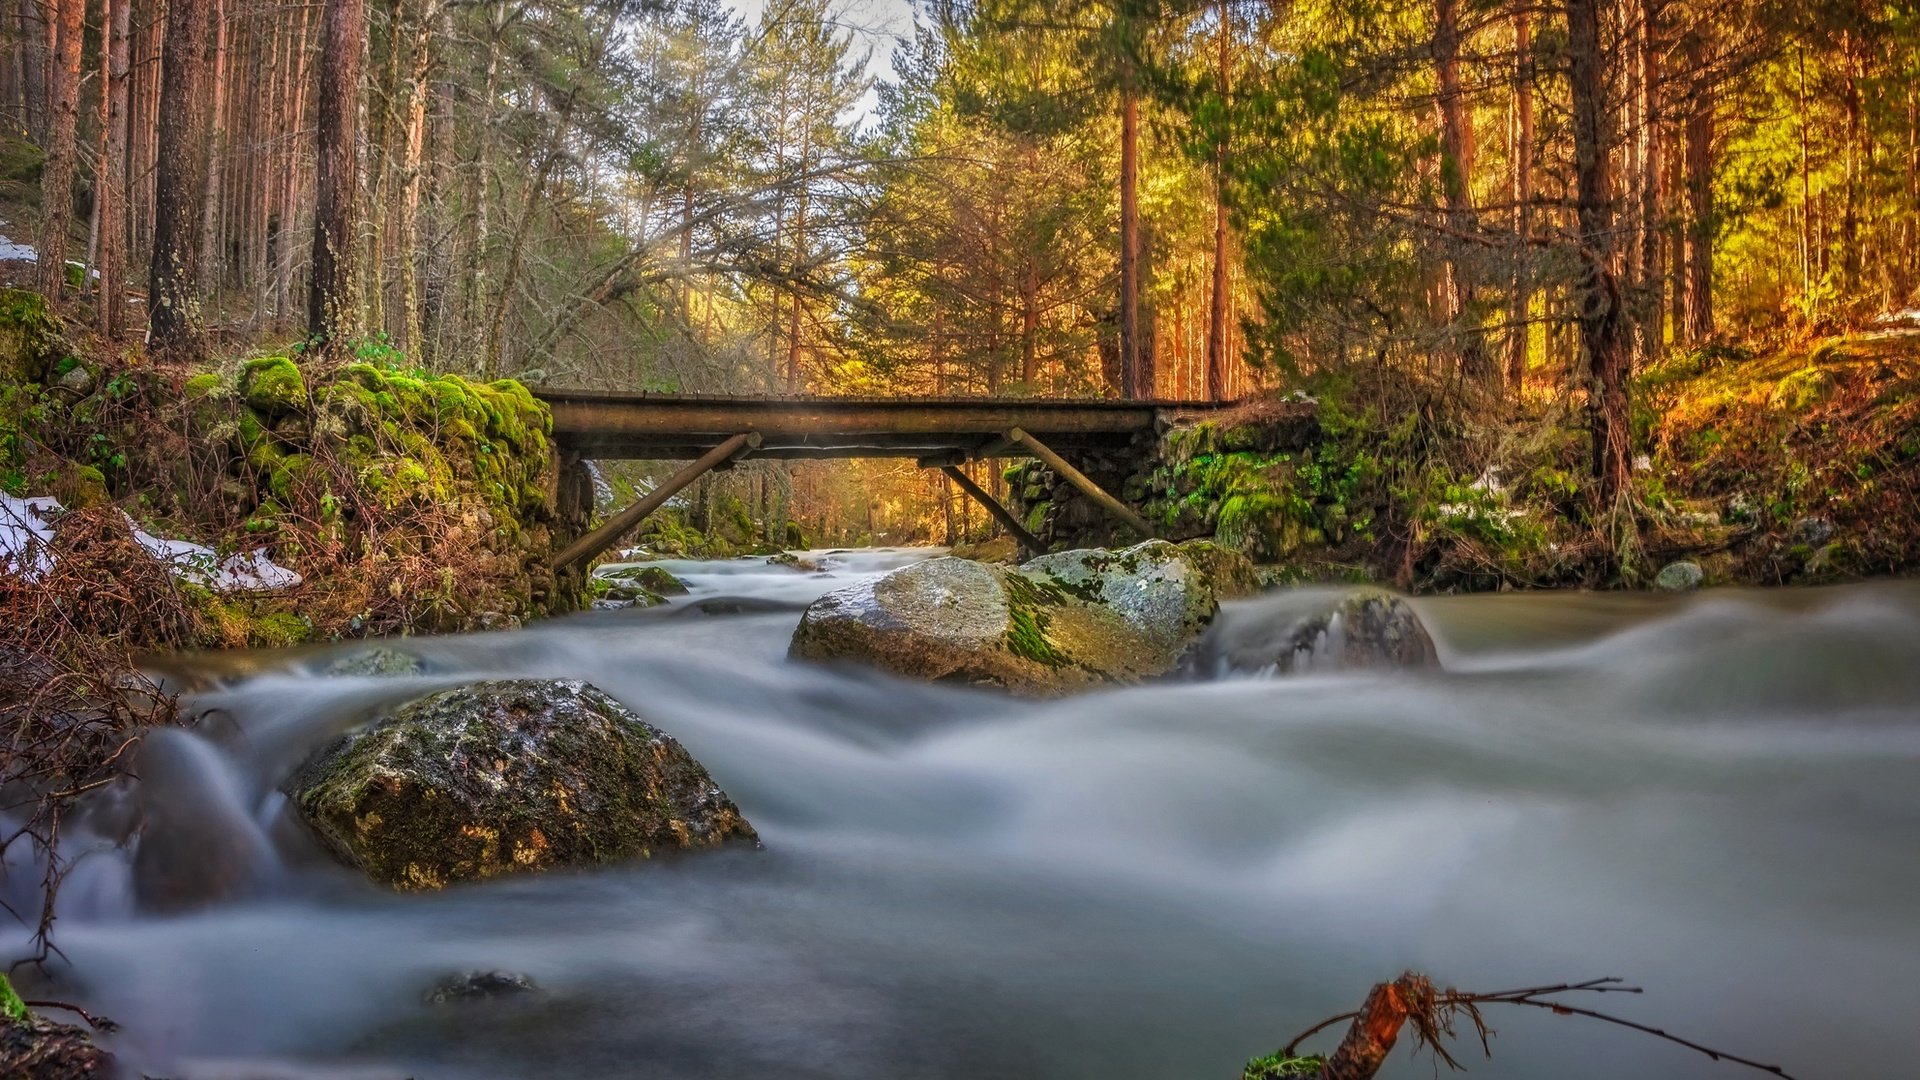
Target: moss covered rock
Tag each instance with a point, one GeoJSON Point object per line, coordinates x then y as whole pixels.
{"type": "Point", "coordinates": [651, 578]}
{"type": "Point", "coordinates": [273, 385]}
{"type": "Point", "coordinates": [509, 777]}
{"type": "Point", "coordinates": [1061, 623]}
{"type": "Point", "coordinates": [29, 337]}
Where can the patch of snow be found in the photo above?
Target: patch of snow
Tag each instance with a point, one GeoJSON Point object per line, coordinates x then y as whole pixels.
{"type": "Point", "coordinates": [26, 531]}
{"type": "Point", "coordinates": [202, 565]}
{"type": "Point", "coordinates": [12, 252]}
{"type": "Point", "coordinates": [26, 538]}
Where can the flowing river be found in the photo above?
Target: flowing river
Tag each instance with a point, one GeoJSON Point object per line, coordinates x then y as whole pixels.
{"type": "Point", "coordinates": [1716, 797]}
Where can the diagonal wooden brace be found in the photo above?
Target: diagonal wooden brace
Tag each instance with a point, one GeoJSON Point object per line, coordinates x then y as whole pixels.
{"type": "Point", "coordinates": [606, 535]}
{"type": "Point", "coordinates": [1029, 544]}
{"type": "Point", "coordinates": [1079, 479]}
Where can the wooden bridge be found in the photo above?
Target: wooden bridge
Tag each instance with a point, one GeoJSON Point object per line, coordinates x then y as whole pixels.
{"type": "Point", "coordinates": [940, 433]}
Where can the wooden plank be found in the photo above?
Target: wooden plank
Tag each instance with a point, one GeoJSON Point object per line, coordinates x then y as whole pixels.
{"type": "Point", "coordinates": [1080, 480]}
{"type": "Point", "coordinates": [1029, 543]}
{"type": "Point", "coordinates": [606, 535]}
{"type": "Point", "coordinates": [825, 421]}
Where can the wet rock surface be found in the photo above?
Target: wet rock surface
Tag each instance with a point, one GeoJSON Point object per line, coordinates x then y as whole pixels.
{"type": "Point", "coordinates": [1318, 630]}
{"type": "Point", "coordinates": [39, 1049]}
{"type": "Point", "coordinates": [1060, 623]}
{"type": "Point", "coordinates": [480, 986]}
{"type": "Point", "coordinates": [1683, 576]}
{"type": "Point", "coordinates": [509, 777]}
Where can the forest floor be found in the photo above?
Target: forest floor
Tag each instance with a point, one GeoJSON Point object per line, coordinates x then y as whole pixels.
{"type": "Point", "coordinates": [1796, 465]}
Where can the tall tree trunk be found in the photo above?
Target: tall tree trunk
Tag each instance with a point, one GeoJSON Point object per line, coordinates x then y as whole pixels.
{"type": "Point", "coordinates": [113, 167]}
{"type": "Point", "coordinates": [1130, 358]}
{"type": "Point", "coordinates": [32, 25]}
{"type": "Point", "coordinates": [1806, 191]}
{"type": "Point", "coordinates": [800, 256]}
{"type": "Point", "coordinates": [179, 183]}
{"type": "Point", "coordinates": [1699, 166]}
{"type": "Point", "coordinates": [479, 205]}
{"type": "Point", "coordinates": [1456, 174]}
{"type": "Point", "coordinates": [1030, 325]}
{"type": "Point", "coordinates": [329, 293]}
{"type": "Point", "coordinates": [414, 339]}
{"type": "Point", "coordinates": [1653, 279]}
{"type": "Point", "coordinates": [211, 219]}
{"type": "Point", "coordinates": [1217, 302]}
{"type": "Point", "coordinates": [1520, 300]}
{"type": "Point", "coordinates": [56, 182]}
{"type": "Point", "coordinates": [1602, 319]}
{"type": "Point", "coordinates": [1850, 212]}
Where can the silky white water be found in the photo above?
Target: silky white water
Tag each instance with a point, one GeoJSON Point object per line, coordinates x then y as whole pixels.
{"type": "Point", "coordinates": [1717, 798]}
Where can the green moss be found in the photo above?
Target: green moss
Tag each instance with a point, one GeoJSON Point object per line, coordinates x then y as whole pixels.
{"type": "Point", "coordinates": [82, 487]}
{"type": "Point", "coordinates": [1279, 1067]}
{"type": "Point", "coordinates": [11, 1006]}
{"type": "Point", "coordinates": [1028, 602]}
{"type": "Point", "coordinates": [289, 476]}
{"type": "Point", "coordinates": [279, 630]}
{"type": "Point", "coordinates": [204, 385]}
{"type": "Point", "coordinates": [265, 517]}
{"type": "Point", "coordinates": [273, 385]}
{"type": "Point", "coordinates": [29, 335]}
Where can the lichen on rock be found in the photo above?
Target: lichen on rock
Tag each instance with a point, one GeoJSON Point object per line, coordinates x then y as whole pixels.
{"type": "Point", "coordinates": [1061, 623]}
{"type": "Point", "coordinates": [509, 777]}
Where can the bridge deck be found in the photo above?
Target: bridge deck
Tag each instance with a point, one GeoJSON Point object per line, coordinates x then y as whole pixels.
{"type": "Point", "coordinates": [674, 427]}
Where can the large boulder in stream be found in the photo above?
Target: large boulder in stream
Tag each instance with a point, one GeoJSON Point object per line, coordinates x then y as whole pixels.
{"type": "Point", "coordinates": [1060, 623]}
{"type": "Point", "coordinates": [507, 777]}
{"type": "Point", "coordinates": [1304, 630]}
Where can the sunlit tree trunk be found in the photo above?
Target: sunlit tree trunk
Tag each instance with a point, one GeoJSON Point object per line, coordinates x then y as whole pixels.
{"type": "Point", "coordinates": [1520, 300]}
{"type": "Point", "coordinates": [1699, 165]}
{"type": "Point", "coordinates": [1601, 315]}
{"type": "Point", "coordinates": [1217, 301]}
{"type": "Point", "coordinates": [1130, 357]}
{"type": "Point", "coordinates": [1652, 276]}
{"type": "Point", "coordinates": [1456, 176]}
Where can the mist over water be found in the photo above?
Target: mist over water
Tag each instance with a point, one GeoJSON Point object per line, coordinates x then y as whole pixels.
{"type": "Point", "coordinates": [1717, 798]}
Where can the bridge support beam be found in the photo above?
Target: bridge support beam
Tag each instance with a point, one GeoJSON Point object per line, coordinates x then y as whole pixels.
{"type": "Point", "coordinates": [607, 535]}
{"type": "Point", "coordinates": [1080, 480]}
{"type": "Point", "coordinates": [1030, 546]}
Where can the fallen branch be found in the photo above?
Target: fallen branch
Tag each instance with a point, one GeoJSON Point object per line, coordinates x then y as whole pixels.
{"type": "Point", "coordinates": [97, 1023]}
{"type": "Point", "coordinates": [1412, 999]}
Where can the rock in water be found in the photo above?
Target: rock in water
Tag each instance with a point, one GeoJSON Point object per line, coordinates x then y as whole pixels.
{"type": "Point", "coordinates": [1063, 622]}
{"type": "Point", "coordinates": [480, 986]}
{"type": "Point", "coordinates": [507, 777]}
{"type": "Point", "coordinates": [1318, 630]}
{"type": "Point", "coordinates": [1679, 577]}
{"type": "Point", "coordinates": [36, 1049]}
{"type": "Point", "coordinates": [653, 579]}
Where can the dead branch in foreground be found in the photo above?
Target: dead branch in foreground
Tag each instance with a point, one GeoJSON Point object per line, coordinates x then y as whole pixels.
{"type": "Point", "coordinates": [1412, 999]}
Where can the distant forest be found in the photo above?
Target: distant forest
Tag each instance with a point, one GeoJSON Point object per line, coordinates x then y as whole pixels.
{"type": "Point", "coordinates": [1087, 198]}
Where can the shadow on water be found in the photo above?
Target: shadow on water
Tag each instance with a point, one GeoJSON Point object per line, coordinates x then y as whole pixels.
{"type": "Point", "coordinates": [1718, 797]}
